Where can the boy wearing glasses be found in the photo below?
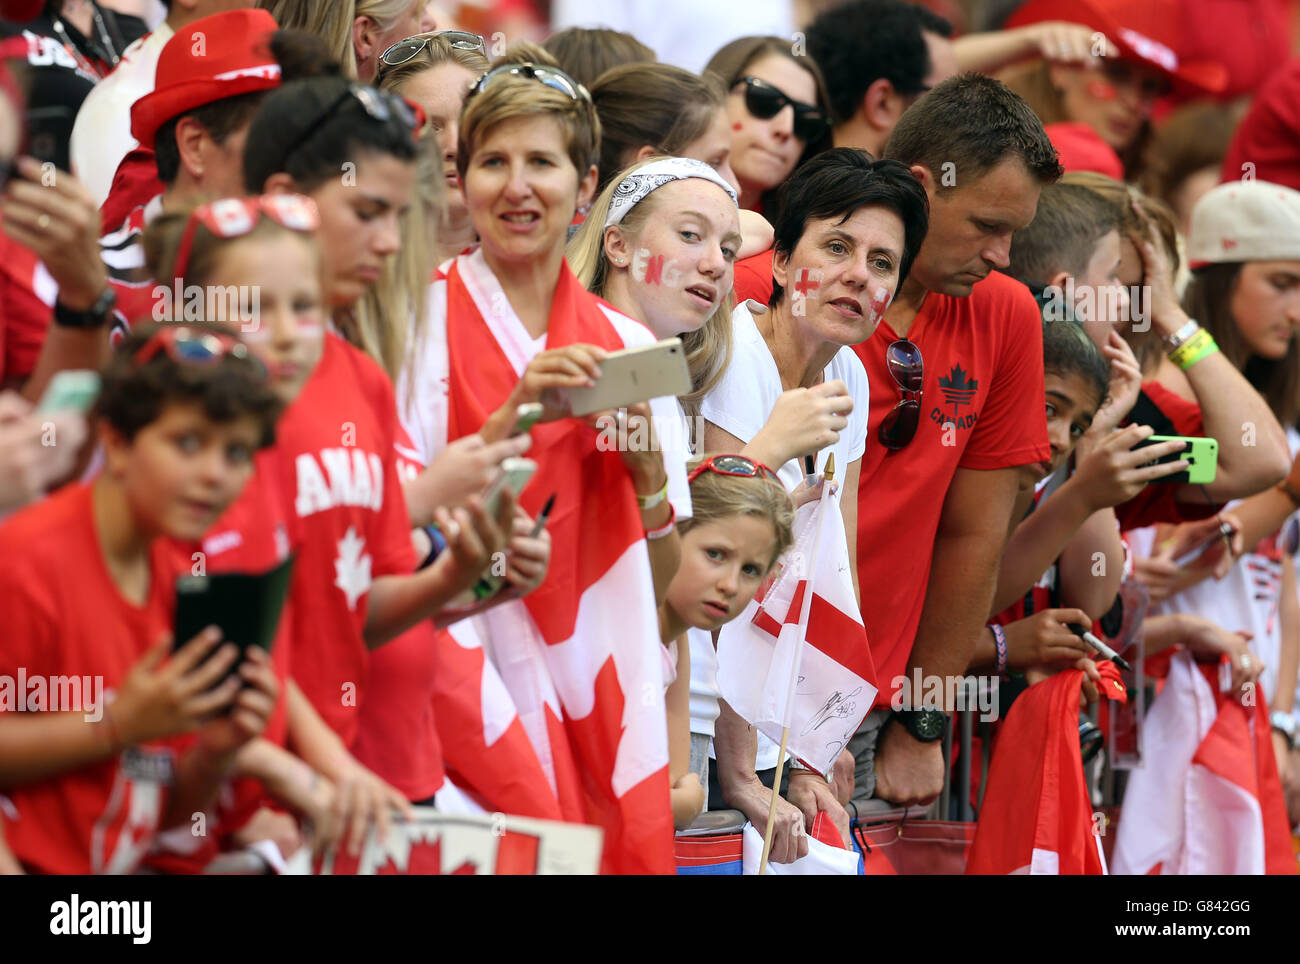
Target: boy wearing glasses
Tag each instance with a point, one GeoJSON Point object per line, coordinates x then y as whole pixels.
{"type": "Point", "coordinates": [87, 577]}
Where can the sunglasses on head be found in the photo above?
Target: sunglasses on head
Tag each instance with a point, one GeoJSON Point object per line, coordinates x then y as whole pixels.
{"type": "Point", "coordinates": [736, 465]}
{"type": "Point", "coordinates": [405, 50]}
{"type": "Point", "coordinates": [765, 101]}
{"type": "Point", "coordinates": [552, 77]}
{"type": "Point", "coordinates": [233, 217]}
{"type": "Point", "coordinates": [191, 346]}
{"type": "Point", "coordinates": [898, 428]}
{"type": "Point", "coordinates": [380, 106]}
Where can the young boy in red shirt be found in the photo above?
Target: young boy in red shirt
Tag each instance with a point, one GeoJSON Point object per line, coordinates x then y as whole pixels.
{"type": "Point", "coordinates": [87, 582]}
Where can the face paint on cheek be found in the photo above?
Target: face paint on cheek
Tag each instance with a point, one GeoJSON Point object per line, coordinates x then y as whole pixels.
{"type": "Point", "coordinates": [1101, 90]}
{"type": "Point", "coordinates": [879, 302]}
{"type": "Point", "coordinates": [806, 282]}
{"type": "Point", "coordinates": [737, 126]}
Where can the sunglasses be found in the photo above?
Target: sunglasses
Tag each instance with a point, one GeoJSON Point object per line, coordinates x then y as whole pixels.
{"type": "Point", "coordinates": [188, 346]}
{"type": "Point", "coordinates": [898, 428]}
{"type": "Point", "coordinates": [764, 101]}
{"type": "Point", "coordinates": [405, 50]}
{"type": "Point", "coordinates": [380, 106]}
{"type": "Point", "coordinates": [234, 217]}
{"type": "Point", "coordinates": [552, 77]}
{"type": "Point", "coordinates": [736, 465]}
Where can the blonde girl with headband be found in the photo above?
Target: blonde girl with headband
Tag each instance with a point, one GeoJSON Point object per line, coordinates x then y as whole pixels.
{"type": "Point", "coordinates": [742, 523]}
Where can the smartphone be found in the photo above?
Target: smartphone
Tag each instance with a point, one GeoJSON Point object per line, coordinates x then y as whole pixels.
{"type": "Point", "coordinates": [246, 607]}
{"type": "Point", "coordinates": [635, 375]}
{"type": "Point", "coordinates": [70, 391]}
{"type": "Point", "coordinates": [526, 417]}
{"type": "Point", "coordinates": [1202, 454]}
{"type": "Point", "coordinates": [515, 473]}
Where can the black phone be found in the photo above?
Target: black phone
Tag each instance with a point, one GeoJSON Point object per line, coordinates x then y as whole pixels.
{"type": "Point", "coordinates": [246, 607]}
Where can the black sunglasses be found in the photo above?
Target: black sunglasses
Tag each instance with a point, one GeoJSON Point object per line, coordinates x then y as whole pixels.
{"type": "Point", "coordinates": [380, 105]}
{"type": "Point", "coordinates": [765, 101]}
{"type": "Point", "coordinates": [404, 50]}
{"type": "Point", "coordinates": [903, 359]}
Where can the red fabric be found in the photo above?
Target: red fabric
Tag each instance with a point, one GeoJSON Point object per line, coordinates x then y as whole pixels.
{"type": "Point", "coordinates": [336, 446]}
{"type": "Point", "coordinates": [1157, 502]}
{"type": "Point", "coordinates": [1251, 38]}
{"type": "Point", "coordinates": [1081, 149]}
{"type": "Point", "coordinates": [24, 316]}
{"type": "Point", "coordinates": [134, 185]}
{"type": "Point", "coordinates": [1037, 800]}
{"type": "Point", "coordinates": [989, 343]}
{"type": "Point", "coordinates": [1268, 137]}
{"type": "Point", "coordinates": [592, 525]}
{"type": "Point", "coordinates": [64, 616]}
{"type": "Point", "coordinates": [754, 278]}
{"type": "Point", "coordinates": [396, 737]}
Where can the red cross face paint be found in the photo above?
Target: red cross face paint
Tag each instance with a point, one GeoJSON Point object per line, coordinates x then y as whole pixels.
{"type": "Point", "coordinates": [1102, 90]}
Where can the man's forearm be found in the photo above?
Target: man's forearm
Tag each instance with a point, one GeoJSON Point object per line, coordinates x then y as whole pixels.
{"type": "Point", "coordinates": [736, 744]}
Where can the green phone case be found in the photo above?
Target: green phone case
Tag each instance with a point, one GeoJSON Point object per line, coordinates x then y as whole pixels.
{"type": "Point", "coordinates": [1202, 453]}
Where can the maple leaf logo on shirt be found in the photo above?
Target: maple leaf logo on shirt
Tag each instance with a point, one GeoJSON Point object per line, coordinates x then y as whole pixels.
{"type": "Point", "coordinates": [351, 568]}
{"type": "Point", "coordinates": [959, 388]}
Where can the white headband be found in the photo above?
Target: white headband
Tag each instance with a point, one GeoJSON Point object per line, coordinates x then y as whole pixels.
{"type": "Point", "coordinates": [634, 188]}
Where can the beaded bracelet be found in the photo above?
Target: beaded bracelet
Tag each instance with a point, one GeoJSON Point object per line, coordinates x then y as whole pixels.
{"type": "Point", "coordinates": [1000, 640]}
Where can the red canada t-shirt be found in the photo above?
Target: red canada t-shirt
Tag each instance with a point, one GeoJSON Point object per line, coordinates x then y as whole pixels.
{"type": "Point", "coordinates": [398, 737]}
{"type": "Point", "coordinates": [981, 408]}
{"type": "Point", "coordinates": [65, 618]}
{"type": "Point", "coordinates": [335, 443]}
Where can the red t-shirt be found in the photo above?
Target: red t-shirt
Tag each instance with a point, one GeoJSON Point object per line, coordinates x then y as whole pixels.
{"type": "Point", "coordinates": [64, 617]}
{"type": "Point", "coordinates": [27, 294]}
{"type": "Point", "coordinates": [397, 737]}
{"type": "Point", "coordinates": [336, 446]}
{"type": "Point", "coordinates": [754, 277]}
{"type": "Point", "coordinates": [981, 408]}
{"type": "Point", "coordinates": [1268, 137]}
{"type": "Point", "coordinates": [1156, 502]}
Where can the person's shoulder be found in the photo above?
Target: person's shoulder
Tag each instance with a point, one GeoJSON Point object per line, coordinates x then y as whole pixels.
{"type": "Point", "coordinates": [366, 373]}
{"type": "Point", "coordinates": [46, 530]}
{"type": "Point", "coordinates": [847, 366]}
{"type": "Point", "coordinates": [1000, 289]}
{"type": "Point", "coordinates": [631, 332]}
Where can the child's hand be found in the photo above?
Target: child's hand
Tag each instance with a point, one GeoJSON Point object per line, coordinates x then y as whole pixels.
{"type": "Point", "coordinates": [1112, 472]}
{"type": "Point", "coordinates": [1043, 638]}
{"type": "Point", "coordinates": [250, 710]}
{"type": "Point", "coordinates": [157, 700]}
{"type": "Point", "coordinates": [806, 493]}
{"type": "Point", "coordinates": [473, 537]}
{"type": "Point", "coordinates": [527, 556]}
{"type": "Point", "coordinates": [1122, 394]}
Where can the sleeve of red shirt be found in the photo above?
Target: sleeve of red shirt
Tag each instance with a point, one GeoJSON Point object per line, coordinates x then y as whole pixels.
{"type": "Point", "coordinates": [754, 278]}
{"type": "Point", "coordinates": [24, 317]}
{"type": "Point", "coordinates": [1012, 428]}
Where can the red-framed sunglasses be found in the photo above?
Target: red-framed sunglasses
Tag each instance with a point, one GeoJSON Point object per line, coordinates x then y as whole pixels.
{"type": "Point", "coordinates": [233, 217]}
{"type": "Point", "coordinates": [737, 465]}
{"type": "Point", "coordinates": [191, 346]}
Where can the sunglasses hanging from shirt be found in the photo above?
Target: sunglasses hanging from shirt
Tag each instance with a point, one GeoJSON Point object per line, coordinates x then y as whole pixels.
{"type": "Point", "coordinates": [905, 364]}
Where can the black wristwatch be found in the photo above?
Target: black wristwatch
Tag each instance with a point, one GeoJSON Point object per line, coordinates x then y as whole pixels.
{"type": "Point", "coordinates": [926, 726]}
{"type": "Point", "coordinates": [96, 316]}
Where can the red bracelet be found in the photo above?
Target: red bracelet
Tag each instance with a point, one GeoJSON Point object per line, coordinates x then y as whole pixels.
{"type": "Point", "coordinates": [666, 528]}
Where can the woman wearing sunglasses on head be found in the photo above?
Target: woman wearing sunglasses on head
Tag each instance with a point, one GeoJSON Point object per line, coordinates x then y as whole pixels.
{"type": "Point", "coordinates": [847, 233]}
{"type": "Point", "coordinates": [358, 31]}
{"type": "Point", "coordinates": [510, 325]}
{"type": "Point", "coordinates": [777, 105]}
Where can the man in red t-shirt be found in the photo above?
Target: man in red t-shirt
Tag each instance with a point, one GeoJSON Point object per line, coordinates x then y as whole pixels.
{"type": "Point", "coordinates": [942, 465]}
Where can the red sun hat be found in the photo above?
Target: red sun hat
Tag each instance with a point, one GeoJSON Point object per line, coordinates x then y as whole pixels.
{"type": "Point", "coordinates": [224, 55]}
{"type": "Point", "coordinates": [1147, 32]}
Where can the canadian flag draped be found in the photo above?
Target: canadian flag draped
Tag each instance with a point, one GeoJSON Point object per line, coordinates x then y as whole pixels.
{"type": "Point", "coordinates": [798, 656]}
{"type": "Point", "coordinates": [579, 658]}
{"type": "Point", "coordinates": [1207, 798]}
{"type": "Point", "coordinates": [1036, 817]}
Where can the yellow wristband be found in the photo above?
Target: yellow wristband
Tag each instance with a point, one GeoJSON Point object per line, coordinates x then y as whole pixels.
{"type": "Point", "coordinates": [650, 501]}
{"type": "Point", "coordinates": [1199, 346]}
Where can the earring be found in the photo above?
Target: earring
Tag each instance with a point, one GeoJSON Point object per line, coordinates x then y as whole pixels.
{"type": "Point", "coordinates": [620, 261]}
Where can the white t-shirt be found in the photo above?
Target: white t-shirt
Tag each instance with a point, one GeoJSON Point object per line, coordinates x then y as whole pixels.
{"type": "Point", "coordinates": [740, 404]}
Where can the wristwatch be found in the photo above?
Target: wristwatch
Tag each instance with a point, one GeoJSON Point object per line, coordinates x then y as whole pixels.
{"type": "Point", "coordinates": [93, 317]}
{"type": "Point", "coordinates": [925, 725]}
{"type": "Point", "coordinates": [1285, 724]}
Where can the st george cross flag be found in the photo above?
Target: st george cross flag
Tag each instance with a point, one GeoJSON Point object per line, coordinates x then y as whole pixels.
{"type": "Point", "coordinates": [1207, 799]}
{"type": "Point", "coordinates": [807, 625]}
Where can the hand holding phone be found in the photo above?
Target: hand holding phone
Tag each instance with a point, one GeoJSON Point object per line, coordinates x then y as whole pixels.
{"type": "Point", "coordinates": [635, 375]}
{"type": "Point", "coordinates": [1200, 454]}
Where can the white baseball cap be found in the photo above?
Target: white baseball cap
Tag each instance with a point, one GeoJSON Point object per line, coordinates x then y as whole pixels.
{"type": "Point", "coordinates": [1245, 221]}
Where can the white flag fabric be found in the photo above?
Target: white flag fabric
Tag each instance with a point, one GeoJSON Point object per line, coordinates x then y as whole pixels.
{"type": "Point", "coordinates": [806, 625]}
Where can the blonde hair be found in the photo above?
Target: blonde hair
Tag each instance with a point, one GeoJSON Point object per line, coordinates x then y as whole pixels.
{"type": "Point", "coordinates": [436, 52]}
{"type": "Point", "coordinates": [509, 97]}
{"type": "Point", "coordinates": [708, 348]}
{"type": "Point", "coordinates": [1146, 345]}
{"type": "Point", "coordinates": [332, 20]}
{"type": "Point", "coordinates": [716, 497]}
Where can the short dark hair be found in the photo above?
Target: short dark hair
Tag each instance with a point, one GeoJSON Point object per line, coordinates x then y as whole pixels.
{"type": "Point", "coordinates": [834, 184]}
{"type": "Point", "coordinates": [862, 41]}
{"type": "Point", "coordinates": [973, 122]}
{"type": "Point", "coordinates": [133, 396]}
{"type": "Point", "coordinates": [343, 129]}
{"type": "Point", "coordinates": [1067, 350]}
{"type": "Point", "coordinates": [1063, 236]}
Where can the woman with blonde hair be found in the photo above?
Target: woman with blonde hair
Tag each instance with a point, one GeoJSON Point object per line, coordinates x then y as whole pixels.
{"type": "Point", "coordinates": [357, 31]}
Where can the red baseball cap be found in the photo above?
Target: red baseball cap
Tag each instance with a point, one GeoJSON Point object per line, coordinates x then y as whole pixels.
{"type": "Point", "coordinates": [1147, 32]}
{"type": "Point", "coordinates": [224, 55]}
{"type": "Point", "coordinates": [1082, 149]}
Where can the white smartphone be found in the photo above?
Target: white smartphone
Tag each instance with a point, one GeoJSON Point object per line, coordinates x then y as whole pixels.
{"type": "Point", "coordinates": [515, 473]}
{"type": "Point", "coordinates": [70, 391]}
{"type": "Point", "coordinates": [635, 375]}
